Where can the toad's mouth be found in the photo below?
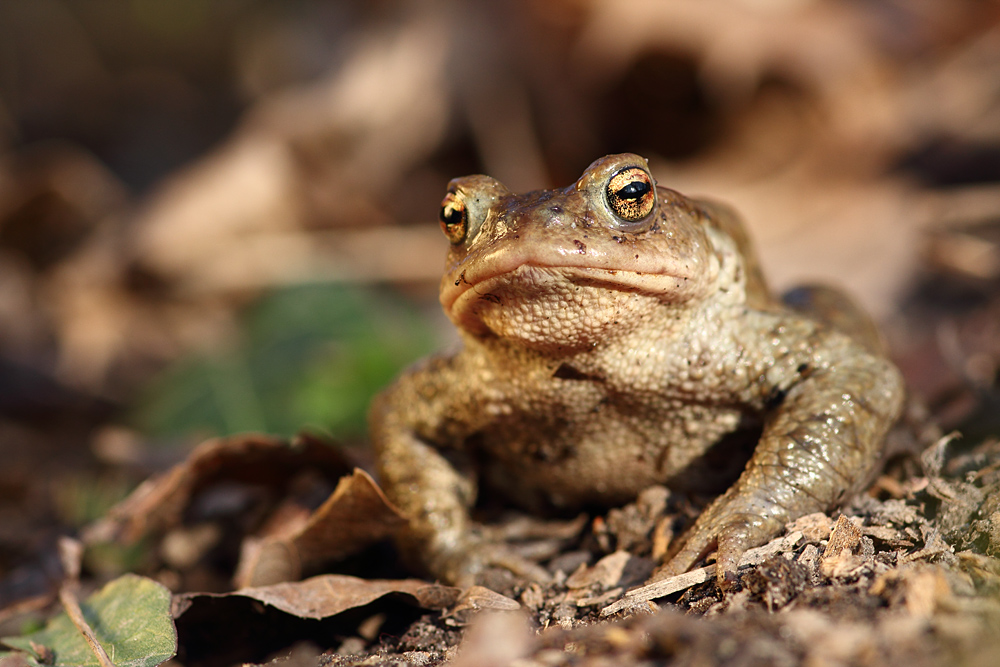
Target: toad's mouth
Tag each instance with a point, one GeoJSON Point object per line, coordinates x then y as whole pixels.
{"type": "Point", "coordinates": [463, 293]}
{"type": "Point", "coordinates": [503, 270]}
{"type": "Point", "coordinates": [563, 306]}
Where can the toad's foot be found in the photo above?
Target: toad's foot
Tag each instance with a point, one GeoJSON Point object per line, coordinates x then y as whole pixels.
{"type": "Point", "coordinates": [732, 524]}
{"type": "Point", "coordinates": [469, 562]}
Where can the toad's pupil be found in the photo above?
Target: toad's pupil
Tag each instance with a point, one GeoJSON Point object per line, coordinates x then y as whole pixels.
{"type": "Point", "coordinates": [451, 215]}
{"type": "Point", "coordinates": [634, 190]}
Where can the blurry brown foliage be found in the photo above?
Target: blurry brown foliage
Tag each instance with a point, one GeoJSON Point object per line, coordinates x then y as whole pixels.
{"type": "Point", "coordinates": [166, 162]}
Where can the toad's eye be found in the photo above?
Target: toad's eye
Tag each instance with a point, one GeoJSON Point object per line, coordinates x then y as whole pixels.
{"type": "Point", "coordinates": [630, 194]}
{"type": "Point", "coordinates": [454, 218]}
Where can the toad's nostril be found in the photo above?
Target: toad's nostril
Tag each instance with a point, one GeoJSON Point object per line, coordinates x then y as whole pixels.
{"type": "Point", "coordinates": [556, 216]}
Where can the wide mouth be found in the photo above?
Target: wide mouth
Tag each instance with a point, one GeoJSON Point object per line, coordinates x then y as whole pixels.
{"type": "Point", "coordinates": [460, 293]}
{"type": "Point", "coordinates": [565, 306]}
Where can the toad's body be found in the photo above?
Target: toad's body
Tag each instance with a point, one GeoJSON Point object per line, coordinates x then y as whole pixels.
{"type": "Point", "coordinates": [613, 333]}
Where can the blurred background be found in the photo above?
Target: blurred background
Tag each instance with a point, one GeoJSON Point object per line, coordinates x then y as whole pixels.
{"type": "Point", "coordinates": [219, 217]}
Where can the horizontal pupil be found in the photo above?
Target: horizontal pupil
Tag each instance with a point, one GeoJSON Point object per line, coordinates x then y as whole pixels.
{"type": "Point", "coordinates": [451, 216]}
{"type": "Point", "coordinates": [633, 190]}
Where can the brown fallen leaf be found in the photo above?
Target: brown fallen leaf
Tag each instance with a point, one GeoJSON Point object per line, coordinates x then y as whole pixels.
{"type": "Point", "coordinates": [355, 515]}
{"type": "Point", "coordinates": [247, 625]}
{"type": "Point", "coordinates": [159, 503]}
{"type": "Point", "coordinates": [330, 594]}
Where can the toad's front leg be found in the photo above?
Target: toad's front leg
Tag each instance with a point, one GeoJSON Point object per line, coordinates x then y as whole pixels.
{"type": "Point", "coordinates": [836, 403]}
{"type": "Point", "coordinates": [431, 491]}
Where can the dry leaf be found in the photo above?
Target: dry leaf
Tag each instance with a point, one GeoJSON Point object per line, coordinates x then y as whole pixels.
{"type": "Point", "coordinates": [330, 594]}
{"type": "Point", "coordinates": [159, 503]}
{"type": "Point", "coordinates": [356, 515]}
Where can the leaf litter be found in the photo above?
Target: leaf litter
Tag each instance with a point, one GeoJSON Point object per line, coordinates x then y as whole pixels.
{"type": "Point", "coordinates": [882, 578]}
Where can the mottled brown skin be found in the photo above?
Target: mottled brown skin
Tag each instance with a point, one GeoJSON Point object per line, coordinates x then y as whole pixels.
{"type": "Point", "coordinates": [603, 355]}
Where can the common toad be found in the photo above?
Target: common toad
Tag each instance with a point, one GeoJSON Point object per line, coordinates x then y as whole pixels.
{"type": "Point", "coordinates": [614, 332]}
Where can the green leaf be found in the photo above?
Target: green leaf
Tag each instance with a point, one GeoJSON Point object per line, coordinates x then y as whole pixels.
{"type": "Point", "coordinates": [130, 617]}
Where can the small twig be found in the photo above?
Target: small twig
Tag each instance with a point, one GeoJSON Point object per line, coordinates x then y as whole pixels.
{"type": "Point", "coordinates": [661, 588]}
{"type": "Point", "coordinates": [72, 606]}
{"type": "Point", "coordinates": [70, 553]}
{"type": "Point", "coordinates": [70, 557]}
{"type": "Point", "coordinates": [664, 587]}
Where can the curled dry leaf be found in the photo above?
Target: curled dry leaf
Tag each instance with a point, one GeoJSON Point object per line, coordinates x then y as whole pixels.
{"type": "Point", "coordinates": [355, 515]}
{"type": "Point", "coordinates": [159, 503]}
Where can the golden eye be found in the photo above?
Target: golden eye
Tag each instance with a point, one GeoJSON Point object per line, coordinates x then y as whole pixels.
{"type": "Point", "coordinates": [454, 219]}
{"type": "Point", "coordinates": [631, 195]}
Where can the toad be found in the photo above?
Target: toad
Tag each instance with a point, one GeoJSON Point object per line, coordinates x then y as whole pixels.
{"type": "Point", "coordinates": [615, 333]}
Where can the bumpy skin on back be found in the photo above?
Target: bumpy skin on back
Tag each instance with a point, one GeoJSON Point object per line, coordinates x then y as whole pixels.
{"type": "Point", "coordinates": [613, 332]}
